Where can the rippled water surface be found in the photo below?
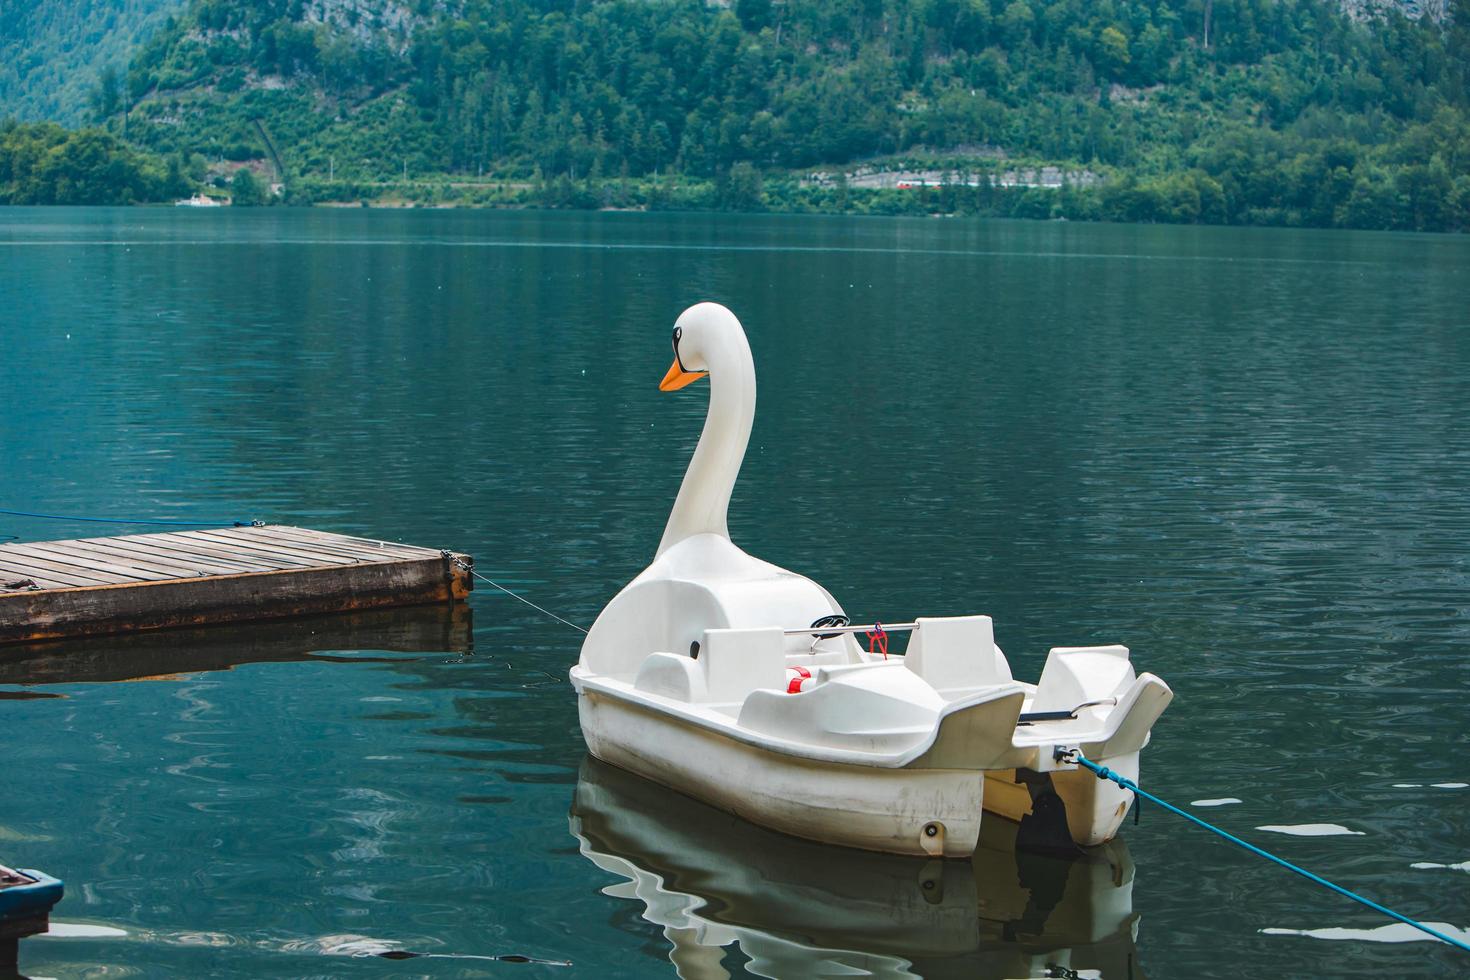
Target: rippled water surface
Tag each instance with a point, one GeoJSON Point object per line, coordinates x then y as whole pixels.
{"type": "Point", "coordinates": [1245, 454]}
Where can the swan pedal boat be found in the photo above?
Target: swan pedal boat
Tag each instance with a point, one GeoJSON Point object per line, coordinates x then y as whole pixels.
{"type": "Point", "coordinates": [703, 674]}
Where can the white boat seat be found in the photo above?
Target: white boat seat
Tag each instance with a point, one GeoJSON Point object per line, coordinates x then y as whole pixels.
{"type": "Point", "coordinates": [671, 676]}
{"type": "Point", "coordinates": [957, 653]}
{"type": "Point", "coordinates": [735, 662]}
{"type": "Point", "coordinates": [1074, 675]}
{"type": "Point", "coordinates": [870, 707]}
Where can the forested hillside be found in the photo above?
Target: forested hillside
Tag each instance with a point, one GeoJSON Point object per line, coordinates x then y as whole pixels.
{"type": "Point", "coordinates": [1245, 111]}
{"type": "Point", "coordinates": [42, 163]}
{"type": "Point", "coordinates": [53, 52]}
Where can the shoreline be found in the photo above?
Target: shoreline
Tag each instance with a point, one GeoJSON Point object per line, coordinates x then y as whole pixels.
{"type": "Point", "coordinates": [399, 204]}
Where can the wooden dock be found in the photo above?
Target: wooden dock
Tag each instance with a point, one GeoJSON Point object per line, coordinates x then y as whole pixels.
{"type": "Point", "coordinates": [90, 586]}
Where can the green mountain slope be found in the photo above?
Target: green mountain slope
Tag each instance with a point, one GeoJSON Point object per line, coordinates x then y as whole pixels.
{"type": "Point", "coordinates": [1291, 113]}
{"type": "Point", "coordinates": [53, 53]}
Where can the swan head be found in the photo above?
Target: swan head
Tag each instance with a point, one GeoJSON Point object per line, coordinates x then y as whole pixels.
{"type": "Point", "coordinates": [709, 341]}
{"type": "Point", "coordinates": [706, 337]}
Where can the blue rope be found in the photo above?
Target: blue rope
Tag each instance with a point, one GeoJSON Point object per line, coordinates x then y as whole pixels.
{"type": "Point", "coordinates": [118, 520]}
{"type": "Point", "coordinates": [1103, 772]}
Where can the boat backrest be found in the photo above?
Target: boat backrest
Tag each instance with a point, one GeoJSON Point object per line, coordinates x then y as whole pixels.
{"type": "Point", "coordinates": [673, 676]}
{"type": "Point", "coordinates": [648, 616]}
{"type": "Point", "coordinates": [738, 661]}
{"type": "Point", "coordinates": [1076, 675]}
{"type": "Point", "coordinates": [958, 652]}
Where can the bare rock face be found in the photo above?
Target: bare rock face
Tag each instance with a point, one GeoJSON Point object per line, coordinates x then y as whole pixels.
{"type": "Point", "coordinates": [1367, 10]}
{"type": "Point", "coordinates": [368, 20]}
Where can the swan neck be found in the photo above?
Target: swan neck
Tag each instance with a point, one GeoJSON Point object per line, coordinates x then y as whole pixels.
{"type": "Point", "coordinates": [703, 503]}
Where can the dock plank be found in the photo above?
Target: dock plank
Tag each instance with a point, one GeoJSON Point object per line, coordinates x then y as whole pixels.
{"type": "Point", "coordinates": [269, 553]}
{"type": "Point", "coordinates": [46, 580]}
{"type": "Point", "coordinates": [94, 586]}
{"type": "Point", "coordinates": [22, 557]}
{"type": "Point", "coordinates": [351, 552]}
{"type": "Point", "coordinates": [370, 541]}
{"type": "Point", "coordinates": [347, 541]}
{"type": "Point", "coordinates": [69, 553]}
{"type": "Point", "coordinates": [268, 549]}
{"type": "Point", "coordinates": [155, 551]}
{"type": "Point", "coordinates": [108, 558]}
{"type": "Point", "coordinates": [223, 552]}
{"type": "Point", "coordinates": [291, 536]}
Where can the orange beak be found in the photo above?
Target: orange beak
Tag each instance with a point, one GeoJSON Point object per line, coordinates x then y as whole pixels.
{"type": "Point", "coordinates": [678, 377]}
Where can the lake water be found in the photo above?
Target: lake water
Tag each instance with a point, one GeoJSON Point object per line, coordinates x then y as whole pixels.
{"type": "Point", "coordinates": [1244, 454]}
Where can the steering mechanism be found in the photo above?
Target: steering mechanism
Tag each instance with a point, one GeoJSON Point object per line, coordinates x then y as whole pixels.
{"type": "Point", "coordinates": [838, 620]}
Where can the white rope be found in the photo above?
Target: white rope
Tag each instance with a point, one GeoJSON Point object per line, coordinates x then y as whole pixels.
{"type": "Point", "coordinates": [470, 568]}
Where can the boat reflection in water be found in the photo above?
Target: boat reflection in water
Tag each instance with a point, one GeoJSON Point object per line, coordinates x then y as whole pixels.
{"type": "Point", "coordinates": [794, 908]}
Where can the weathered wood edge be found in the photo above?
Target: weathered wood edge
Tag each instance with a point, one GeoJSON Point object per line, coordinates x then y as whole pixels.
{"type": "Point", "coordinates": [129, 606]}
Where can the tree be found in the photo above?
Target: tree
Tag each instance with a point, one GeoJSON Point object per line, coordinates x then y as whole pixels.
{"type": "Point", "coordinates": [176, 182]}
{"type": "Point", "coordinates": [107, 97]}
{"type": "Point", "coordinates": [1113, 55]}
{"type": "Point", "coordinates": [1017, 22]}
{"type": "Point", "coordinates": [42, 163]}
{"type": "Point", "coordinates": [1371, 204]}
{"type": "Point", "coordinates": [753, 14]}
{"type": "Point", "coordinates": [742, 188]}
{"type": "Point", "coordinates": [245, 190]}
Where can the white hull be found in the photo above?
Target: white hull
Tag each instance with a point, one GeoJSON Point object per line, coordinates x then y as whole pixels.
{"type": "Point", "coordinates": [887, 810]}
{"type": "Point", "coordinates": [873, 809]}
{"type": "Point", "coordinates": [872, 755]}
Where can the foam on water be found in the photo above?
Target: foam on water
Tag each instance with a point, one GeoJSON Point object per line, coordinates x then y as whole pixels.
{"type": "Point", "coordinates": [9, 835]}
{"type": "Point", "coordinates": [1222, 801]}
{"type": "Point", "coordinates": [343, 944]}
{"type": "Point", "coordinates": [83, 930]}
{"type": "Point", "coordinates": [1312, 830]}
{"type": "Point", "coordinates": [1394, 932]}
{"type": "Point", "coordinates": [1425, 865]}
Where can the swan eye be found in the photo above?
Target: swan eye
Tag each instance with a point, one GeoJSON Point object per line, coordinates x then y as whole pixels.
{"type": "Point", "coordinates": [678, 332]}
